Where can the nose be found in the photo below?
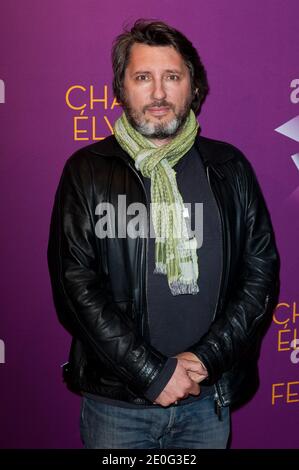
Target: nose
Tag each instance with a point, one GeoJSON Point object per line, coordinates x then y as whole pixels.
{"type": "Point", "coordinates": [158, 91]}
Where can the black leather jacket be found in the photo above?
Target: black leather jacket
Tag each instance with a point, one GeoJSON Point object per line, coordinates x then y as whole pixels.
{"type": "Point", "coordinates": [99, 285]}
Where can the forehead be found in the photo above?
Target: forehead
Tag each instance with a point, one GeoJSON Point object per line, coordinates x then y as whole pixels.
{"type": "Point", "coordinates": [151, 57]}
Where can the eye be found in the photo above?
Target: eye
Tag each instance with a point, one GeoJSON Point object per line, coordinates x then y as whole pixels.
{"type": "Point", "coordinates": [173, 77]}
{"type": "Point", "coordinates": [142, 77]}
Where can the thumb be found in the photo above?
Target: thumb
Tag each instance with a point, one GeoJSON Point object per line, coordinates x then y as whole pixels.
{"type": "Point", "coordinates": [194, 366]}
{"type": "Point", "coordinates": [196, 377]}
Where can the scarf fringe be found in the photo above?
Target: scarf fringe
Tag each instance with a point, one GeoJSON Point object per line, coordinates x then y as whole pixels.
{"type": "Point", "coordinates": [160, 269]}
{"type": "Point", "coordinates": [179, 287]}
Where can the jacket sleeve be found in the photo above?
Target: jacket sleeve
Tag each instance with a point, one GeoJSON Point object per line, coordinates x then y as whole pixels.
{"type": "Point", "coordinates": [238, 328]}
{"type": "Point", "coordinates": [83, 304]}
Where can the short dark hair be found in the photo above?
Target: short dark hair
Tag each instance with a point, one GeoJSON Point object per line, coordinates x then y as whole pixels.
{"type": "Point", "coordinates": [158, 33]}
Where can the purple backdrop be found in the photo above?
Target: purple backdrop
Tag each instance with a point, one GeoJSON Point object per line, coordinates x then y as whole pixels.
{"type": "Point", "coordinates": [251, 52]}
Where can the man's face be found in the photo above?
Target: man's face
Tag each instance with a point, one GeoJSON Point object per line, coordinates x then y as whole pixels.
{"type": "Point", "coordinates": [157, 90]}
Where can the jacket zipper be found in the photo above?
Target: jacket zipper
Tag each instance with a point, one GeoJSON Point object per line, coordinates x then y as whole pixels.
{"type": "Point", "coordinates": [219, 402]}
{"type": "Point", "coordinates": [146, 268]}
{"type": "Point", "coordinates": [144, 317]}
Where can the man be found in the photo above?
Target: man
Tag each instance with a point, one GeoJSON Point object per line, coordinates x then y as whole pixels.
{"type": "Point", "coordinates": [166, 329]}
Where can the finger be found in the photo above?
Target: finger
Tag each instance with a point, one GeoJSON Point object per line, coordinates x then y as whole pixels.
{"type": "Point", "coordinates": [192, 365]}
{"type": "Point", "coordinates": [195, 377]}
{"type": "Point", "coordinates": [195, 389]}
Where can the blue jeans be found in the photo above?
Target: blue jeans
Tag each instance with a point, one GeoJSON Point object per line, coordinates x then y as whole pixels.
{"type": "Point", "coordinates": [190, 426]}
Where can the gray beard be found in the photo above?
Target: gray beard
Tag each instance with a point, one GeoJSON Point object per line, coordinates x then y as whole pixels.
{"type": "Point", "coordinates": [158, 130]}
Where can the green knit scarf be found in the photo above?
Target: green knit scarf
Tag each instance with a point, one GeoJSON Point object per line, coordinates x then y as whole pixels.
{"type": "Point", "coordinates": [175, 253]}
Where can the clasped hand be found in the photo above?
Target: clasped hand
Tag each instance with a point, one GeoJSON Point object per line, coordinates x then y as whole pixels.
{"type": "Point", "coordinates": [189, 372]}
